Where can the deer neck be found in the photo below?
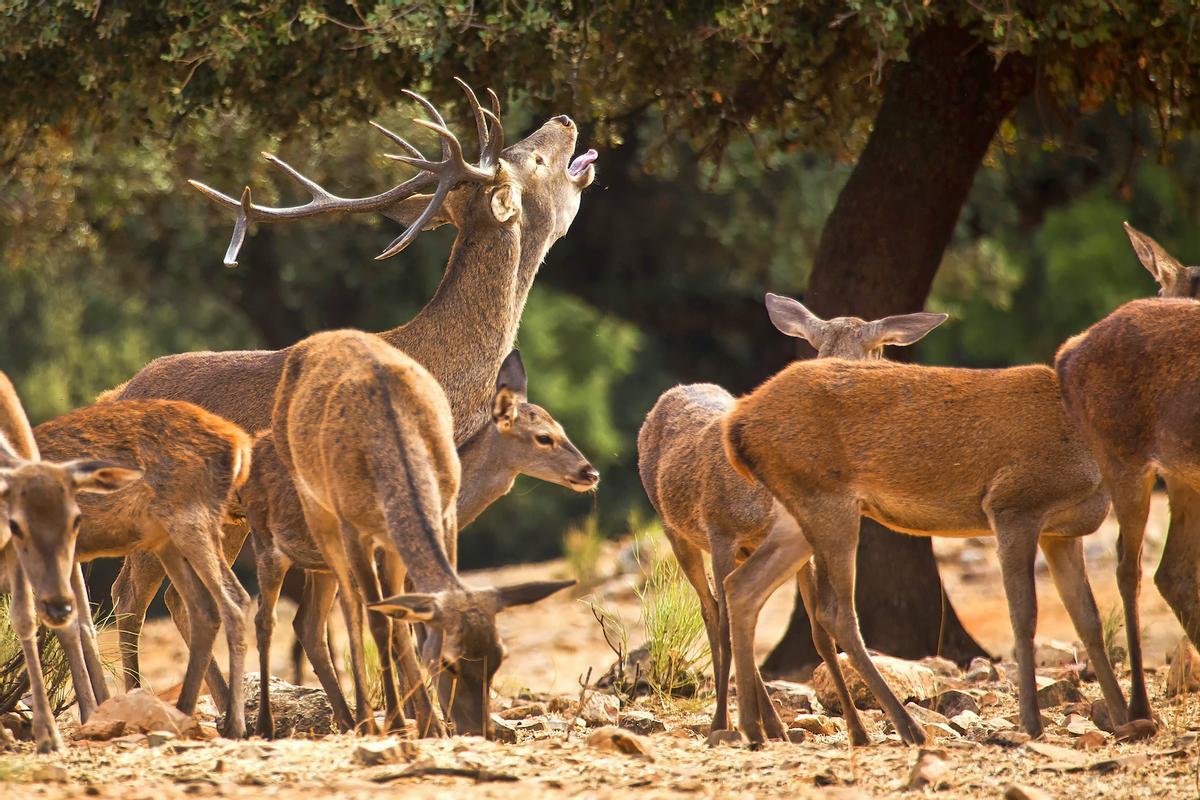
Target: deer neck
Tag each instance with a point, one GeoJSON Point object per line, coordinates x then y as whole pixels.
{"type": "Point", "coordinates": [464, 332]}
{"type": "Point", "coordinates": [486, 474]}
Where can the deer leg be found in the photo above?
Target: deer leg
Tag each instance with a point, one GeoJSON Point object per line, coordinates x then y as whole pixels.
{"type": "Point", "coordinates": [746, 589]}
{"type": "Point", "coordinates": [1017, 541]}
{"type": "Point", "coordinates": [24, 622]}
{"type": "Point", "coordinates": [806, 583]}
{"type": "Point", "coordinates": [691, 561]}
{"type": "Point", "coordinates": [1064, 556]}
{"type": "Point", "coordinates": [132, 592]}
{"type": "Point", "coordinates": [416, 696]}
{"type": "Point", "coordinates": [1131, 502]}
{"type": "Point", "coordinates": [270, 566]}
{"type": "Point", "coordinates": [177, 610]}
{"type": "Point", "coordinates": [202, 624]}
{"type": "Point", "coordinates": [1178, 575]}
{"type": "Point", "coordinates": [311, 627]}
{"type": "Point", "coordinates": [88, 639]}
{"type": "Point", "coordinates": [362, 565]}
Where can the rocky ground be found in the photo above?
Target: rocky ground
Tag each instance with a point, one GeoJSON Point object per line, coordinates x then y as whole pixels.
{"type": "Point", "coordinates": [651, 748]}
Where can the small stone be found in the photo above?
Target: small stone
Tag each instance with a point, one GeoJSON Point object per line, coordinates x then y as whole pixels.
{"type": "Point", "coordinates": [1007, 738]}
{"type": "Point", "coordinates": [1083, 709]}
{"type": "Point", "coordinates": [612, 739]}
{"type": "Point", "coordinates": [142, 711]}
{"type": "Point", "coordinates": [562, 705]}
{"type": "Point", "coordinates": [1054, 693]}
{"type": "Point", "coordinates": [158, 738]}
{"type": "Point", "coordinates": [964, 721]}
{"type": "Point", "coordinates": [49, 773]}
{"type": "Point", "coordinates": [796, 735]}
{"type": "Point", "coordinates": [386, 751]}
{"type": "Point", "coordinates": [981, 670]}
{"type": "Point", "coordinates": [817, 724]}
{"type": "Point", "coordinates": [503, 730]}
{"type": "Point", "coordinates": [524, 711]}
{"type": "Point", "coordinates": [798, 698]}
{"type": "Point", "coordinates": [100, 730]}
{"type": "Point", "coordinates": [726, 738]}
{"type": "Point", "coordinates": [932, 769]}
{"type": "Point", "coordinates": [1184, 674]}
{"type": "Point", "coordinates": [953, 702]}
{"type": "Point", "coordinates": [909, 680]}
{"type": "Point", "coordinates": [1077, 725]}
{"type": "Point", "coordinates": [1090, 740]}
{"type": "Point", "coordinates": [1017, 791]}
{"type": "Point", "coordinates": [1101, 717]}
{"type": "Point", "coordinates": [943, 667]}
{"type": "Point", "coordinates": [641, 722]}
{"type": "Point", "coordinates": [1053, 653]}
{"type": "Point", "coordinates": [924, 715]}
{"type": "Point", "coordinates": [601, 709]}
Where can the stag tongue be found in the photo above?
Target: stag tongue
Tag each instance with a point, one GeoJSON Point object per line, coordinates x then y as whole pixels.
{"type": "Point", "coordinates": [581, 163]}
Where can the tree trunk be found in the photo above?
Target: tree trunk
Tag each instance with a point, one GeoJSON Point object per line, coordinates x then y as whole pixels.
{"type": "Point", "coordinates": [878, 254]}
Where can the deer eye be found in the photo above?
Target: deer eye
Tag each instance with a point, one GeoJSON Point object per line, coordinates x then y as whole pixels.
{"type": "Point", "coordinates": [16, 529]}
{"type": "Point", "coordinates": [544, 440]}
{"type": "Point", "coordinates": [537, 159]}
{"type": "Point", "coordinates": [75, 523]}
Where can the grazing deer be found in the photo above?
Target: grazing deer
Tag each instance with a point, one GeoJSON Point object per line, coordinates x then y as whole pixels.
{"type": "Point", "coordinates": [521, 439]}
{"type": "Point", "coordinates": [1128, 382]}
{"type": "Point", "coordinates": [192, 461]}
{"type": "Point", "coordinates": [923, 450]}
{"type": "Point", "coordinates": [41, 519]}
{"type": "Point", "coordinates": [705, 505]}
{"type": "Point", "coordinates": [366, 435]}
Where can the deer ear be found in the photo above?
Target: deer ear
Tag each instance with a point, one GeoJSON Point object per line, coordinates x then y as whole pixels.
{"type": "Point", "coordinates": [101, 477]}
{"type": "Point", "coordinates": [407, 210]}
{"type": "Point", "coordinates": [904, 329]}
{"type": "Point", "coordinates": [512, 375]}
{"type": "Point", "coordinates": [506, 202]}
{"type": "Point", "coordinates": [408, 607]}
{"type": "Point", "coordinates": [1157, 261]}
{"type": "Point", "coordinates": [505, 408]}
{"type": "Point", "coordinates": [791, 317]}
{"type": "Point", "coordinates": [522, 594]}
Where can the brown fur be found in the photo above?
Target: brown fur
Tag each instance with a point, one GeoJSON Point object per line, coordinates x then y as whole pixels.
{"type": "Point", "coordinates": [1130, 381]}
{"type": "Point", "coordinates": [929, 451]}
{"type": "Point", "coordinates": [192, 461]}
{"type": "Point", "coordinates": [705, 505]}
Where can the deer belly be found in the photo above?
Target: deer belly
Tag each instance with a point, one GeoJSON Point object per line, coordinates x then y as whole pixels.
{"type": "Point", "coordinates": [945, 516]}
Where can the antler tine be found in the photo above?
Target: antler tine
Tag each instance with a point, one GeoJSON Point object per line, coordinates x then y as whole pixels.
{"type": "Point", "coordinates": [239, 229]}
{"type": "Point", "coordinates": [398, 139]}
{"type": "Point", "coordinates": [454, 165]}
{"type": "Point", "coordinates": [477, 110]}
{"type": "Point", "coordinates": [433, 112]}
{"type": "Point", "coordinates": [319, 195]}
{"type": "Point", "coordinates": [412, 231]}
{"type": "Point", "coordinates": [491, 155]}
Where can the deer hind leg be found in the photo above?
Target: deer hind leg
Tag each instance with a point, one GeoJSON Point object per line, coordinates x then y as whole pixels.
{"type": "Point", "coordinates": [691, 561]}
{"type": "Point", "coordinates": [1017, 541]}
{"type": "Point", "coordinates": [88, 640]}
{"type": "Point", "coordinates": [177, 610]}
{"type": "Point", "coordinates": [746, 589]}
{"type": "Point", "coordinates": [270, 566]}
{"type": "Point", "coordinates": [311, 627]}
{"type": "Point", "coordinates": [24, 622]}
{"type": "Point", "coordinates": [1064, 556]}
{"type": "Point", "coordinates": [1130, 491]}
{"type": "Point", "coordinates": [1178, 575]}
{"type": "Point", "coordinates": [202, 623]}
{"type": "Point", "coordinates": [362, 566]}
{"type": "Point", "coordinates": [806, 583]}
{"type": "Point", "coordinates": [132, 592]}
{"type": "Point", "coordinates": [415, 694]}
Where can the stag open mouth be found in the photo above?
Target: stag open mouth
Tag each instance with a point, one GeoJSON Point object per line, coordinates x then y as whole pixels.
{"type": "Point", "coordinates": [581, 163]}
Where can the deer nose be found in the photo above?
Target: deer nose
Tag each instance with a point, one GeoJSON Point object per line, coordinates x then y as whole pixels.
{"type": "Point", "coordinates": [564, 120]}
{"type": "Point", "coordinates": [589, 474]}
{"type": "Point", "coordinates": [59, 609]}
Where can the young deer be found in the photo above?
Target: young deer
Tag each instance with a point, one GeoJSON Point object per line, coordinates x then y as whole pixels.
{"type": "Point", "coordinates": [1128, 382]}
{"type": "Point", "coordinates": [366, 435]}
{"type": "Point", "coordinates": [192, 461]}
{"type": "Point", "coordinates": [40, 520]}
{"type": "Point", "coordinates": [705, 505]}
{"type": "Point", "coordinates": [521, 439]}
{"type": "Point", "coordinates": [926, 451]}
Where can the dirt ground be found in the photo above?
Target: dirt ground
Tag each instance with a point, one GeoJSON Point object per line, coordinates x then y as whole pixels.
{"type": "Point", "coordinates": [554, 643]}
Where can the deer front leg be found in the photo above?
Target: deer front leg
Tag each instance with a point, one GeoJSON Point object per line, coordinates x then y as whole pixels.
{"type": "Point", "coordinates": [132, 592]}
{"type": "Point", "coordinates": [691, 561]}
{"type": "Point", "coordinates": [202, 624]}
{"type": "Point", "coordinates": [415, 695]}
{"type": "Point", "coordinates": [362, 566]}
{"type": "Point", "coordinates": [87, 636]}
{"type": "Point", "coordinates": [24, 622]}
{"type": "Point", "coordinates": [1178, 575]}
{"type": "Point", "coordinates": [746, 590]}
{"type": "Point", "coordinates": [311, 628]}
{"type": "Point", "coordinates": [1017, 541]}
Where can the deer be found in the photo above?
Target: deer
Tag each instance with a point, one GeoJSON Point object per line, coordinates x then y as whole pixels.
{"type": "Point", "coordinates": [40, 522]}
{"type": "Point", "coordinates": [191, 462]}
{"type": "Point", "coordinates": [366, 435]}
{"type": "Point", "coordinates": [1127, 384]}
{"type": "Point", "coordinates": [705, 505]}
{"type": "Point", "coordinates": [929, 451]}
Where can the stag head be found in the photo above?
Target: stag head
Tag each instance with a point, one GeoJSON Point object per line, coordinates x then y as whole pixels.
{"type": "Point", "coordinates": [533, 185]}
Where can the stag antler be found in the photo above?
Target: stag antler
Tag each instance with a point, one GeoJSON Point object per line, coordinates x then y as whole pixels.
{"type": "Point", "coordinates": [442, 176]}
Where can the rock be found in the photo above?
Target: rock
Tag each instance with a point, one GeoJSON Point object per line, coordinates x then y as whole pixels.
{"type": "Point", "coordinates": [295, 709]}
{"type": "Point", "coordinates": [159, 738]}
{"type": "Point", "coordinates": [817, 724]}
{"type": "Point", "coordinates": [1017, 791]}
{"type": "Point", "coordinates": [503, 730]}
{"type": "Point", "coordinates": [49, 773]}
{"type": "Point", "coordinates": [386, 751]}
{"type": "Point", "coordinates": [1090, 740]}
{"type": "Point", "coordinates": [19, 725]}
{"type": "Point", "coordinates": [796, 735]}
{"type": "Point", "coordinates": [953, 702]}
{"type": "Point", "coordinates": [1054, 693]}
{"type": "Point", "coordinates": [981, 670]}
{"type": "Point", "coordinates": [611, 739]}
{"type": "Point", "coordinates": [942, 667]}
{"type": "Point", "coordinates": [726, 738]}
{"type": "Point", "coordinates": [925, 716]}
{"type": "Point", "coordinates": [908, 679]}
{"type": "Point", "coordinates": [642, 722]}
{"type": "Point", "coordinates": [1083, 709]}
{"type": "Point", "coordinates": [1007, 738]}
{"type": "Point", "coordinates": [1053, 653]}
{"type": "Point", "coordinates": [1184, 674]}
{"type": "Point", "coordinates": [798, 698]}
{"type": "Point", "coordinates": [965, 721]}
{"type": "Point", "coordinates": [932, 769]}
{"type": "Point", "coordinates": [100, 731]}
{"type": "Point", "coordinates": [140, 711]}
{"type": "Point", "coordinates": [7, 741]}
{"type": "Point", "coordinates": [1077, 725]}
{"type": "Point", "coordinates": [563, 706]}
{"type": "Point", "coordinates": [1100, 716]}
{"type": "Point", "coordinates": [600, 709]}
{"type": "Point", "coordinates": [524, 711]}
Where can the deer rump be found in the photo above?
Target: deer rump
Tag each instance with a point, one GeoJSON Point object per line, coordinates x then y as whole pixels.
{"type": "Point", "coordinates": [925, 450]}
